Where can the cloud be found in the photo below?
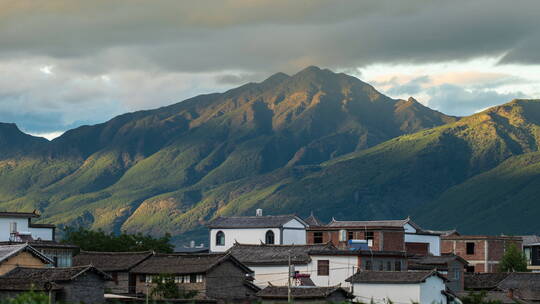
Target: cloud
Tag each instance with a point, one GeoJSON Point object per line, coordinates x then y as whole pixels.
{"type": "Point", "coordinates": [455, 100]}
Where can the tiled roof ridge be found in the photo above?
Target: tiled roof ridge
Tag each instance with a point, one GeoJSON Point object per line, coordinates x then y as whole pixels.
{"type": "Point", "coordinates": [114, 252]}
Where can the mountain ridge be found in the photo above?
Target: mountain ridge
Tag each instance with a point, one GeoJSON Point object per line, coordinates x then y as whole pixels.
{"type": "Point", "coordinates": [315, 140]}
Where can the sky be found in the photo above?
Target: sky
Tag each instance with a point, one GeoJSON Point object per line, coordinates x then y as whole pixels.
{"type": "Point", "coordinates": [66, 63]}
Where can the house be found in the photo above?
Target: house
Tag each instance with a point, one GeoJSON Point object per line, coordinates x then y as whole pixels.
{"type": "Point", "coordinates": [217, 276]}
{"type": "Point", "coordinates": [399, 287]}
{"type": "Point", "coordinates": [304, 294]}
{"type": "Point", "coordinates": [531, 248]}
{"type": "Point", "coordinates": [270, 229]}
{"type": "Point", "coordinates": [449, 265]}
{"type": "Point", "coordinates": [482, 252]}
{"type": "Point", "coordinates": [69, 284]}
{"type": "Point", "coordinates": [387, 235]}
{"type": "Point", "coordinates": [18, 227]}
{"type": "Point", "coordinates": [324, 264]}
{"type": "Point", "coordinates": [116, 264]}
{"type": "Point", "coordinates": [517, 286]}
{"type": "Point", "coordinates": [12, 256]}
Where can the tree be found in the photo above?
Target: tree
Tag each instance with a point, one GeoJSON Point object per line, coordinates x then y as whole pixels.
{"type": "Point", "coordinates": [478, 298]}
{"type": "Point", "coordinates": [513, 260]}
{"type": "Point", "coordinates": [91, 240]}
{"type": "Point", "coordinates": [166, 287]}
{"type": "Point", "coordinates": [29, 297]}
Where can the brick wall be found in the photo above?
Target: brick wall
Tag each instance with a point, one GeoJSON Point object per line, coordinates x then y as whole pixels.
{"type": "Point", "coordinates": [394, 241]}
{"type": "Point", "coordinates": [382, 240]}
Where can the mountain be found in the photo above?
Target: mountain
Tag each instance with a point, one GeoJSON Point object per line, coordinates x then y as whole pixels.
{"type": "Point", "coordinates": [314, 141]}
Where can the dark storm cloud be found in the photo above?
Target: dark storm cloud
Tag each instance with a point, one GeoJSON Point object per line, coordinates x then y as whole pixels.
{"type": "Point", "coordinates": [269, 35]}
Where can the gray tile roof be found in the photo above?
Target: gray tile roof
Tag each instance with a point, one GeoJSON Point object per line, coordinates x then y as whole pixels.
{"type": "Point", "coordinates": [18, 214]}
{"type": "Point", "coordinates": [267, 221]}
{"type": "Point", "coordinates": [526, 285]}
{"type": "Point", "coordinates": [25, 285]}
{"type": "Point", "coordinates": [483, 281]}
{"type": "Point", "coordinates": [52, 274]}
{"type": "Point", "coordinates": [530, 240]}
{"type": "Point", "coordinates": [386, 223]}
{"type": "Point", "coordinates": [111, 261]}
{"type": "Point", "coordinates": [184, 263]}
{"type": "Point", "coordinates": [7, 251]}
{"type": "Point", "coordinates": [392, 277]}
{"type": "Point", "coordinates": [274, 254]}
{"type": "Point", "coordinates": [312, 220]}
{"type": "Point", "coordinates": [434, 262]}
{"type": "Point", "coordinates": [302, 292]}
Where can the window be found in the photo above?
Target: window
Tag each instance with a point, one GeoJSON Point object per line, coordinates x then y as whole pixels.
{"type": "Point", "coordinates": [381, 265]}
{"type": "Point", "coordinates": [368, 265]}
{"type": "Point", "coordinates": [269, 237]}
{"type": "Point", "coordinates": [193, 278]}
{"type": "Point", "coordinates": [220, 238]}
{"type": "Point", "coordinates": [470, 248]}
{"type": "Point", "coordinates": [323, 267]}
{"type": "Point", "coordinates": [350, 235]}
{"type": "Point", "coordinates": [342, 235]}
{"type": "Point", "coordinates": [115, 278]}
{"type": "Point", "coordinates": [457, 274]}
{"type": "Point", "coordinates": [200, 278]}
{"type": "Point", "coordinates": [470, 268]}
{"type": "Point", "coordinates": [318, 237]}
{"type": "Point", "coordinates": [388, 266]}
{"type": "Point", "coordinates": [397, 265]}
{"type": "Point", "coordinates": [369, 237]}
{"type": "Point", "coordinates": [142, 278]}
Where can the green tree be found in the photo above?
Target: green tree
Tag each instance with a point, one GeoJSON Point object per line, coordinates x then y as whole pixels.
{"type": "Point", "coordinates": [513, 260]}
{"type": "Point", "coordinates": [30, 297]}
{"type": "Point", "coordinates": [478, 298]}
{"type": "Point", "coordinates": [99, 240]}
{"type": "Point", "coordinates": [166, 287]}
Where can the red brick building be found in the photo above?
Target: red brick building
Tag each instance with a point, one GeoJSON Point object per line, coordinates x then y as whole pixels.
{"type": "Point", "coordinates": [380, 235]}
{"type": "Point", "coordinates": [482, 252]}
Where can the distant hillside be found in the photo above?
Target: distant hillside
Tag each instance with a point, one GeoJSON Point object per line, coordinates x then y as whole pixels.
{"type": "Point", "coordinates": [315, 141]}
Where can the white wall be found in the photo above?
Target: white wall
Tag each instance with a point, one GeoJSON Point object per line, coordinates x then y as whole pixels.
{"type": "Point", "coordinates": [430, 291]}
{"type": "Point", "coordinates": [341, 268]}
{"type": "Point", "coordinates": [398, 293]}
{"type": "Point", "coordinates": [294, 236]}
{"type": "Point", "coordinates": [244, 236]}
{"type": "Point", "coordinates": [277, 275]}
{"type": "Point", "coordinates": [22, 226]}
{"type": "Point", "coordinates": [434, 241]}
{"type": "Point", "coordinates": [45, 234]}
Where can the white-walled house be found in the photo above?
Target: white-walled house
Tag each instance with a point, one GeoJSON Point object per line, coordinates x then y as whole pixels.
{"type": "Point", "coordinates": [18, 226]}
{"type": "Point", "coordinates": [259, 229]}
{"type": "Point", "coordinates": [323, 263]}
{"type": "Point", "coordinates": [425, 287]}
{"type": "Point", "coordinates": [421, 240]}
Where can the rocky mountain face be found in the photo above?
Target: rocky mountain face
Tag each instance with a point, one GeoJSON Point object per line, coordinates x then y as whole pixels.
{"type": "Point", "coordinates": [314, 141]}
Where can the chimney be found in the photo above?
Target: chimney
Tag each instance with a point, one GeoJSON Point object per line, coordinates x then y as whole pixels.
{"type": "Point", "coordinates": [510, 293]}
{"type": "Point", "coordinates": [258, 212]}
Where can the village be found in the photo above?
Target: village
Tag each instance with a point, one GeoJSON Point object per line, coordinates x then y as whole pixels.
{"type": "Point", "coordinates": [274, 259]}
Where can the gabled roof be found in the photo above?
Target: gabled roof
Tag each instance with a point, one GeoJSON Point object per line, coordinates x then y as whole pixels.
{"type": "Point", "coordinates": [53, 274]}
{"type": "Point", "coordinates": [393, 277]}
{"type": "Point", "coordinates": [526, 285]}
{"type": "Point", "coordinates": [111, 261]}
{"type": "Point", "coordinates": [41, 244]}
{"type": "Point", "coordinates": [185, 263]}
{"type": "Point", "coordinates": [275, 254]}
{"type": "Point", "coordinates": [483, 281]}
{"type": "Point", "coordinates": [302, 292]}
{"type": "Point", "coordinates": [529, 240]}
{"type": "Point", "coordinates": [312, 220]}
{"type": "Point", "coordinates": [19, 214]}
{"type": "Point", "coordinates": [383, 223]}
{"type": "Point", "coordinates": [431, 262]}
{"type": "Point", "coordinates": [266, 221]}
{"type": "Point", "coordinates": [8, 251]}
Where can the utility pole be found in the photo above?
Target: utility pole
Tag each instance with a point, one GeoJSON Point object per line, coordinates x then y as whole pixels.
{"type": "Point", "coordinates": [289, 294]}
{"type": "Point", "coordinates": [146, 285]}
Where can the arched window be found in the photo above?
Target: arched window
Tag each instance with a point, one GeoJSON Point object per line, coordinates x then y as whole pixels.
{"type": "Point", "coordinates": [220, 238]}
{"type": "Point", "coordinates": [270, 237]}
